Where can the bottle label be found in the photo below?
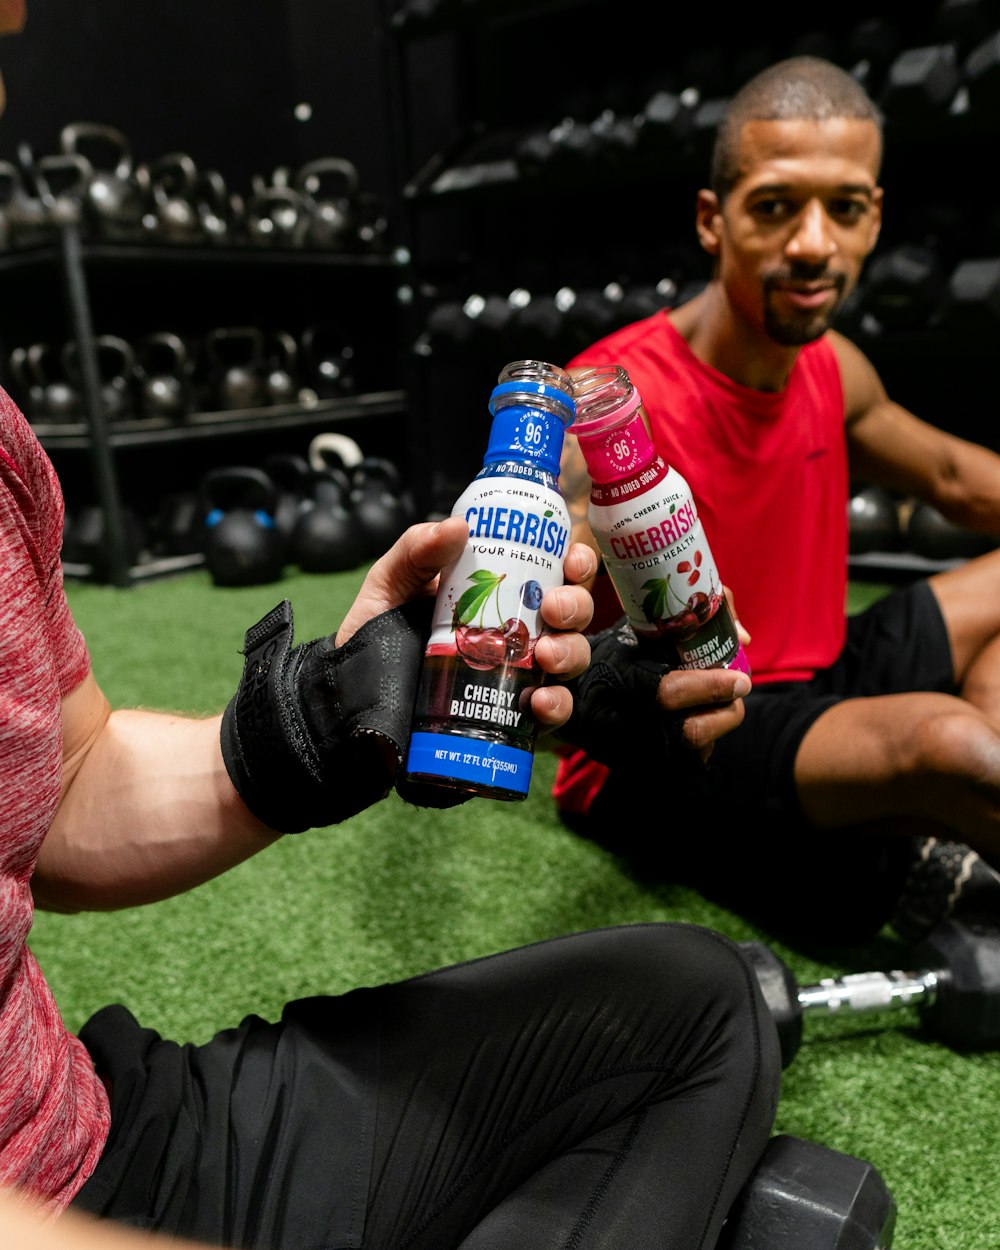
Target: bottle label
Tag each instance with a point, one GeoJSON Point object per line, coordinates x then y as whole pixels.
{"type": "Point", "coordinates": [658, 558]}
{"type": "Point", "coordinates": [480, 764]}
{"type": "Point", "coordinates": [473, 722]}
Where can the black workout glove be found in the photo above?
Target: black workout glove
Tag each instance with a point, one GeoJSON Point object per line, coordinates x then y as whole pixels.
{"type": "Point", "coordinates": [616, 718]}
{"type": "Point", "coordinates": [317, 733]}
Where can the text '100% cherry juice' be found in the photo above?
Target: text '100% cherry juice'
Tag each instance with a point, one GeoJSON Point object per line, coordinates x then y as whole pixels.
{"type": "Point", "coordinates": [645, 522]}
{"type": "Point", "coordinates": [473, 729]}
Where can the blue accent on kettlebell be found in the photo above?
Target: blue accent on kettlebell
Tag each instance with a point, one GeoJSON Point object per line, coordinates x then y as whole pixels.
{"type": "Point", "coordinates": [213, 517]}
{"type": "Point", "coordinates": [263, 518]}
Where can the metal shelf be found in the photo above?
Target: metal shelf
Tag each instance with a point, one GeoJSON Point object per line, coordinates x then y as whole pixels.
{"type": "Point", "coordinates": [163, 566]}
{"type": "Point", "coordinates": [48, 254]}
{"type": "Point", "coordinates": [147, 432]}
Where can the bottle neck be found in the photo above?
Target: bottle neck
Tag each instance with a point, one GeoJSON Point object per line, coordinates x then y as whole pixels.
{"type": "Point", "coordinates": [615, 448]}
{"type": "Point", "coordinates": [526, 433]}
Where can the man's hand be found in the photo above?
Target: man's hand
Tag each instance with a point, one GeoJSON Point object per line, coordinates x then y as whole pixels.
{"type": "Point", "coordinates": [707, 701]}
{"type": "Point", "coordinates": [410, 569]}
{"type": "Point", "coordinates": [632, 710]}
{"type": "Point", "coordinates": [319, 731]}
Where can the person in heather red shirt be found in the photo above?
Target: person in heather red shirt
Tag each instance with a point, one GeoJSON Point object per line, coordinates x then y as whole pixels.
{"type": "Point", "coordinates": [607, 1088]}
{"type": "Point", "coordinates": [867, 762]}
{"type": "Point", "coordinates": [471, 1102]}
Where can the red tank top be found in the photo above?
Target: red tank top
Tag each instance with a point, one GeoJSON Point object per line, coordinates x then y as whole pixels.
{"type": "Point", "coordinates": [769, 473]}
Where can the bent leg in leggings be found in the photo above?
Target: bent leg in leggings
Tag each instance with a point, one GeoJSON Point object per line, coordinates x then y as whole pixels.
{"type": "Point", "coordinates": [606, 1089]}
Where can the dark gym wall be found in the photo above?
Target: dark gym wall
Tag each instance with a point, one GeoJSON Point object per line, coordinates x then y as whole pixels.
{"type": "Point", "coordinates": [218, 80]}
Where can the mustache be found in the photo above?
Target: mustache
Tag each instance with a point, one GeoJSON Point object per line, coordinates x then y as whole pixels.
{"type": "Point", "coordinates": [804, 273]}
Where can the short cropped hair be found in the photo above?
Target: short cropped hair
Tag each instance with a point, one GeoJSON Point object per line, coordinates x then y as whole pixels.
{"type": "Point", "coordinates": [801, 87]}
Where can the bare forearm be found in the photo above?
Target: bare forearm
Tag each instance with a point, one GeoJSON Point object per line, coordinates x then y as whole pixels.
{"type": "Point", "coordinates": [151, 812]}
{"type": "Point", "coordinates": [27, 1228]}
{"type": "Point", "coordinates": [969, 494]}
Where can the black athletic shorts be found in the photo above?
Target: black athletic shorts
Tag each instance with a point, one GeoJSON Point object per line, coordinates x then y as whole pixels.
{"type": "Point", "coordinates": [897, 644]}
{"type": "Point", "coordinates": [735, 830]}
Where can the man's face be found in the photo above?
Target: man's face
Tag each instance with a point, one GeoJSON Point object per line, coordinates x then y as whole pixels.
{"type": "Point", "coordinates": [12, 19]}
{"type": "Point", "coordinates": [795, 230]}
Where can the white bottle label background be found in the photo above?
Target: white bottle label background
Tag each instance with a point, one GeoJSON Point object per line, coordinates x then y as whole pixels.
{"type": "Point", "coordinates": [659, 560]}
{"type": "Point", "coordinates": [518, 537]}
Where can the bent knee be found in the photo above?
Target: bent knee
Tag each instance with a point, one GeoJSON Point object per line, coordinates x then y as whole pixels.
{"type": "Point", "coordinates": [703, 985]}
{"type": "Point", "coordinates": [958, 743]}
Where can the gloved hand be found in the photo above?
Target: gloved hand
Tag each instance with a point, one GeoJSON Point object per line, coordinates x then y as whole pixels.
{"type": "Point", "coordinates": [616, 718]}
{"type": "Point", "coordinates": [317, 733]}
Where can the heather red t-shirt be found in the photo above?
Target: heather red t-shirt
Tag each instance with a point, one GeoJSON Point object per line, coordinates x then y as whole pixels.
{"type": "Point", "coordinates": [54, 1113]}
{"type": "Point", "coordinates": [769, 471]}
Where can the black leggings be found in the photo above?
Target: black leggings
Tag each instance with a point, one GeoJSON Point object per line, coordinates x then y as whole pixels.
{"type": "Point", "coordinates": [606, 1089]}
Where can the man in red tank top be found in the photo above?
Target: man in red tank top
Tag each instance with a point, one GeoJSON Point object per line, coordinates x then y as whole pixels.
{"type": "Point", "coordinates": [866, 759]}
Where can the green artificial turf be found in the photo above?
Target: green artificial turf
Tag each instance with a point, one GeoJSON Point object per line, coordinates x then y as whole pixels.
{"type": "Point", "coordinates": [398, 890]}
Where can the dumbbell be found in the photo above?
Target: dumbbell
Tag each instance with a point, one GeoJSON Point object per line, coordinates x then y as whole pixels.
{"type": "Point", "coordinates": [966, 23]}
{"type": "Point", "coordinates": [904, 286]}
{"type": "Point", "coordinates": [921, 83]}
{"type": "Point", "coordinates": [805, 1196]}
{"type": "Point", "coordinates": [971, 307]}
{"type": "Point", "coordinates": [981, 75]}
{"type": "Point", "coordinates": [665, 123]}
{"type": "Point", "coordinates": [872, 520]}
{"type": "Point", "coordinates": [956, 988]}
{"type": "Point", "coordinates": [871, 48]}
{"type": "Point", "coordinates": [930, 534]}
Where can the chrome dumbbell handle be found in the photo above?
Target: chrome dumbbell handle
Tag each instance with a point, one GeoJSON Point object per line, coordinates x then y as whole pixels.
{"type": "Point", "coordinates": [868, 991]}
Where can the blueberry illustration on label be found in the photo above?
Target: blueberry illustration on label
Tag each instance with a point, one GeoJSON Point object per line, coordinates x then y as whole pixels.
{"type": "Point", "coordinates": [531, 595]}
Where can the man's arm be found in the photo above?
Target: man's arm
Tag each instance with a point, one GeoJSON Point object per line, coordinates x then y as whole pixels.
{"type": "Point", "coordinates": [148, 809]}
{"type": "Point", "coordinates": [24, 1227]}
{"type": "Point", "coordinates": [891, 446]}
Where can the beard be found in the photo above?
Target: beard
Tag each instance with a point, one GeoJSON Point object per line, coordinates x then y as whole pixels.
{"type": "Point", "coordinates": [804, 327]}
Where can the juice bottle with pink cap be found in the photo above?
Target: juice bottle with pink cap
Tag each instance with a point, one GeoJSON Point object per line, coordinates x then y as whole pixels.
{"type": "Point", "coordinates": [645, 521]}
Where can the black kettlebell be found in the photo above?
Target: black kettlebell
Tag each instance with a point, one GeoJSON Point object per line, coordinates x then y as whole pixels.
{"type": "Point", "coordinates": [293, 478]}
{"type": "Point", "coordinates": [327, 361]}
{"type": "Point", "coordinates": [179, 526]}
{"type": "Point", "coordinates": [379, 506]}
{"type": "Point", "coordinates": [169, 186]}
{"type": "Point", "coordinates": [164, 374]}
{"type": "Point", "coordinates": [242, 543]}
{"type": "Point", "coordinates": [234, 354]}
{"type": "Point", "coordinates": [62, 182]}
{"type": "Point", "coordinates": [327, 537]}
{"type": "Point", "coordinates": [85, 539]}
{"type": "Point", "coordinates": [216, 207]}
{"type": "Point", "coordinates": [114, 198]}
{"type": "Point", "coordinates": [116, 373]}
{"type": "Point", "coordinates": [275, 215]}
{"type": "Point", "coordinates": [56, 397]}
{"type": "Point", "coordinates": [328, 186]}
{"type": "Point", "coordinates": [279, 368]}
{"type": "Point", "coordinates": [27, 390]}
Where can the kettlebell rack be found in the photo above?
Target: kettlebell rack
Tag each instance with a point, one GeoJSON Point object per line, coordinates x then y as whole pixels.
{"type": "Point", "coordinates": [101, 436]}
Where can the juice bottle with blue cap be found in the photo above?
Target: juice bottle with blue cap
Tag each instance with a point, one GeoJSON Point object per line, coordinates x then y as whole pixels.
{"type": "Point", "coordinates": [473, 729]}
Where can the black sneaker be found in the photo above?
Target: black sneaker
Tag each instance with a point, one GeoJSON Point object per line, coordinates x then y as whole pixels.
{"type": "Point", "coordinates": [945, 879]}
